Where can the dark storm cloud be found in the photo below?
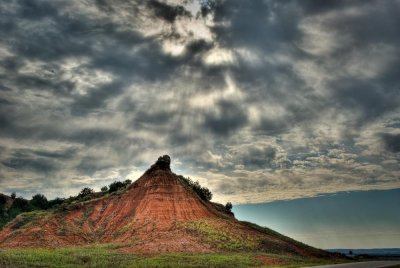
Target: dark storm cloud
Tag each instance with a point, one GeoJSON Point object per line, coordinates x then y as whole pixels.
{"type": "Point", "coordinates": [65, 37]}
{"type": "Point", "coordinates": [45, 80]}
{"type": "Point", "coordinates": [38, 156]}
{"type": "Point", "coordinates": [196, 47]}
{"type": "Point", "coordinates": [392, 142]}
{"type": "Point", "coordinates": [90, 165]}
{"type": "Point", "coordinates": [259, 157]}
{"type": "Point", "coordinates": [20, 161]}
{"type": "Point", "coordinates": [67, 34]}
{"type": "Point", "coordinates": [272, 126]}
{"type": "Point", "coordinates": [11, 64]}
{"type": "Point", "coordinates": [96, 98]}
{"type": "Point", "coordinates": [379, 24]}
{"type": "Point", "coordinates": [42, 83]}
{"type": "Point", "coordinates": [227, 117]}
{"type": "Point", "coordinates": [57, 132]}
{"type": "Point", "coordinates": [104, 5]}
{"type": "Point", "coordinates": [35, 10]}
{"type": "Point", "coordinates": [67, 154]}
{"type": "Point", "coordinates": [92, 136]}
{"type": "Point", "coordinates": [251, 25]}
{"type": "Point", "coordinates": [366, 97]}
{"type": "Point", "coordinates": [264, 28]}
{"type": "Point", "coordinates": [275, 28]}
{"type": "Point", "coordinates": [167, 12]}
{"type": "Point", "coordinates": [158, 117]}
{"type": "Point", "coordinates": [149, 63]}
{"type": "Point", "coordinates": [318, 7]}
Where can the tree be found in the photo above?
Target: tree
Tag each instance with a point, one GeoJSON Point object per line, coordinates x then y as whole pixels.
{"type": "Point", "coordinates": [3, 202]}
{"type": "Point", "coordinates": [56, 201]}
{"type": "Point", "coordinates": [127, 182]}
{"type": "Point", "coordinates": [115, 186]}
{"type": "Point", "coordinates": [85, 192]}
{"type": "Point", "coordinates": [104, 189]}
{"type": "Point", "coordinates": [39, 201]}
{"type": "Point", "coordinates": [228, 206]}
{"type": "Point", "coordinates": [20, 204]}
{"type": "Point", "coordinates": [203, 192]}
{"type": "Point", "coordinates": [13, 195]}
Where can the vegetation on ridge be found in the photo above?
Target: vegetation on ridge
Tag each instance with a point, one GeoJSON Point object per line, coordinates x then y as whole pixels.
{"type": "Point", "coordinates": [11, 207]}
{"type": "Point", "coordinates": [203, 192]}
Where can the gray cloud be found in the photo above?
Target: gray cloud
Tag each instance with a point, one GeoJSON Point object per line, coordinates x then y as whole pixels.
{"type": "Point", "coordinates": [226, 118]}
{"type": "Point", "coordinates": [23, 161]}
{"type": "Point", "coordinates": [257, 99]}
{"type": "Point", "coordinates": [167, 12]}
{"type": "Point", "coordinates": [259, 157]}
{"type": "Point", "coordinates": [392, 142]}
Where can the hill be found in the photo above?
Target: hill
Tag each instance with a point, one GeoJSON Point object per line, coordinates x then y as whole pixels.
{"type": "Point", "coordinates": [373, 252]}
{"type": "Point", "coordinates": [158, 213]}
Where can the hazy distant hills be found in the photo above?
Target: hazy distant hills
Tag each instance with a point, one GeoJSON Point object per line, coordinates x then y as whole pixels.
{"type": "Point", "coordinates": [372, 252]}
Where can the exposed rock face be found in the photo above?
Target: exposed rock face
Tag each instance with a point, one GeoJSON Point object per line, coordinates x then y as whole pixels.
{"type": "Point", "coordinates": [163, 163]}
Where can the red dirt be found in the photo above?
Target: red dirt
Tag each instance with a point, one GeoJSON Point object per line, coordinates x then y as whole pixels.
{"type": "Point", "coordinates": [147, 218]}
{"type": "Point", "coordinates": [267, 260]}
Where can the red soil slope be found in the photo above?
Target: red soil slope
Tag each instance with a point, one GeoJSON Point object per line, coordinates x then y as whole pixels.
{"type": "Point", "coordinates": [157, 213]}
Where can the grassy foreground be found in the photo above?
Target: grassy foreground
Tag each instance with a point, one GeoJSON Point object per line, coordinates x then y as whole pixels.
{"type": "Point", "coordinates": [110, 256]}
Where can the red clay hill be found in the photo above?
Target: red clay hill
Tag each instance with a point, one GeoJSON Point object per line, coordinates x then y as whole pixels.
{"type": "Point", "coordinates": [157, 213]}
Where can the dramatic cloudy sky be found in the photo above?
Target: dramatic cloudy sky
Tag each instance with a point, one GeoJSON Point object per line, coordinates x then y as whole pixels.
{"type": "Point", "coordinates": [258, 100]}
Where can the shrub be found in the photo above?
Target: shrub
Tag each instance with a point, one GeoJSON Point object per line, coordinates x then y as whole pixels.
{"type": "Point", "coordinates": [203, 192]}
{"type": "Point", "coordinates": [115, 186]}
{"type": "Point", "coordinates": [55, 202]}
{"type": "Point", "coordinates": [39, 201]}
{"type": "Point", "coordinates": [3, 201]}
{"type": "Point", "coordinates": [85, 192]}
{"type": "Point", "coordinates": [13, 195]}
{"type": "Point", "coordinates": [21, 204]}
{"type": "Point", "coordinates": [228, 206]}
{"type": "Point", "coordinates": [127, 182]}
{"type": "Point", "coordinates": [104, 189]}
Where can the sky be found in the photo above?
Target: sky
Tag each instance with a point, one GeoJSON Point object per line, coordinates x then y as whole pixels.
{"type": "Point", "coordinates": [258, 100]}
{"type": "Point", "coordinates": [358, 219]}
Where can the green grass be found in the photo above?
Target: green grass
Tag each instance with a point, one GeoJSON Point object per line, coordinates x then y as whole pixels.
{"type": "Point", "coordinates": [198, 260]}
{"type": "Point", "coordinates": [109, 256]}
{"type": "Point", "coordinates": [218, 237]}
{"type": "Point", "coordinates": [28, 218]}
{"type": "Point", "coordinates": [93, 256]}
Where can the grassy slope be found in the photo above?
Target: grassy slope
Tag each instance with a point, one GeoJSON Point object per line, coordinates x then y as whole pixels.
{"type": "Point", "coordinates": [315, 251]}
{"type": "Point", "coordinates": [110, 256]}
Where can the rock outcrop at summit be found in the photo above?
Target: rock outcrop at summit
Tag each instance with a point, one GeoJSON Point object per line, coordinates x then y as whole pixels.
{"type": "Point", "coordinates": [163, 162]}
{"type": "Point", "coordinates": [156, 213]}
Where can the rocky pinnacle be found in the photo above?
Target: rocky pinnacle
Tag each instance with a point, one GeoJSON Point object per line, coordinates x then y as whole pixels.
{"type": "Point", "coordinates": [163, 162]}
